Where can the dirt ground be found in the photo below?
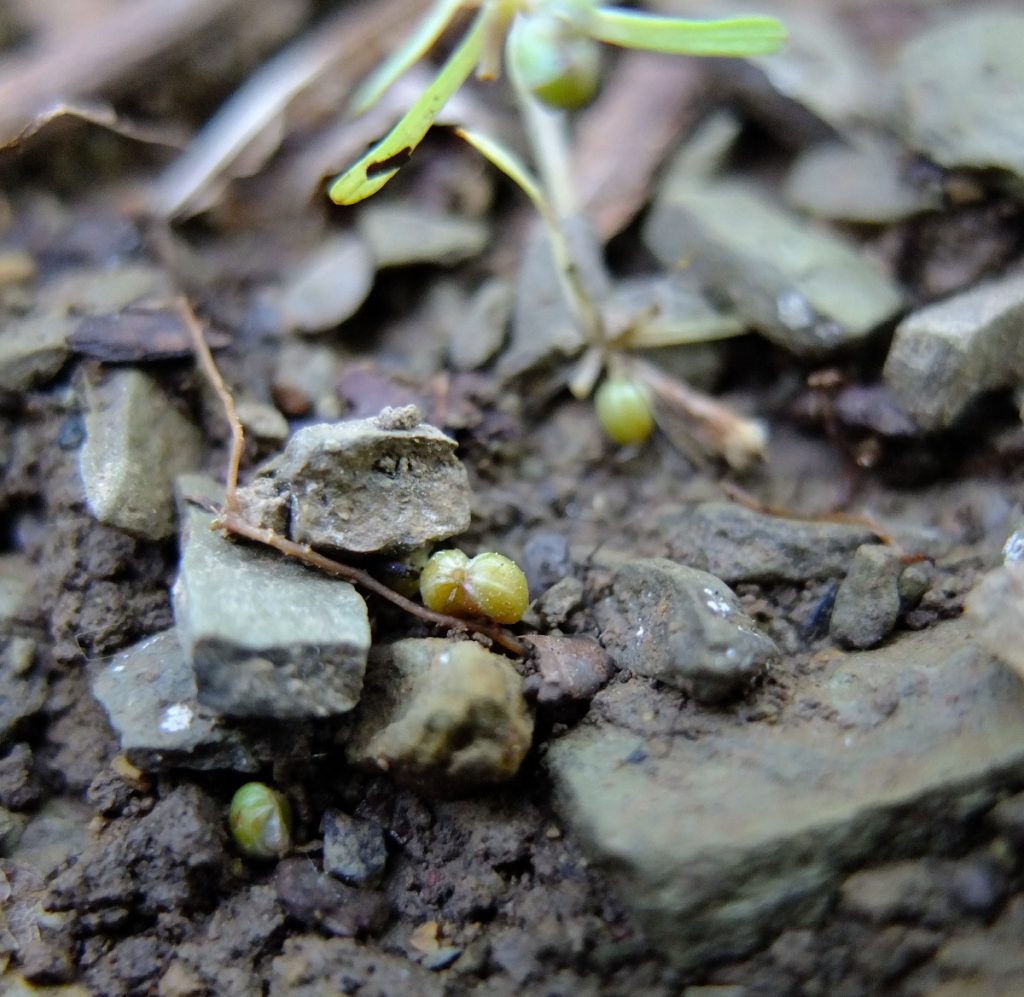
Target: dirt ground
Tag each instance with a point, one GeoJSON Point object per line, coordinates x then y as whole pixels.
{"type": "Point", "coordinates": [118, 881]}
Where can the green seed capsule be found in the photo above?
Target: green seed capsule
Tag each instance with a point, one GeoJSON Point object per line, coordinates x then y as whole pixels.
{"type": "Point", "coordinates": [623, 411]}
{"type": "Point", "coordinates": [489, 585]}
{"type": "Point", "coordinates": [554, 59]}
{"type": "Point", "coordinates": [261, 821]}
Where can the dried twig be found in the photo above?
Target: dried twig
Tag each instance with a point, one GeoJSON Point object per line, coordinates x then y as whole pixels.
{"type": "Point", "coordinates": [232, 522]}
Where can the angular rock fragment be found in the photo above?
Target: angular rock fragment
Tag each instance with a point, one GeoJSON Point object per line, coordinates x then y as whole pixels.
{"type": "Point", "coordinates": [717, 841]}
{"type": "Point", "coordinates": [945, 355]}
{"type": "Point", "coordinates": [868, 601]}
{"type": "Point", "coordinates": [443, 717]}
{"type": "Point", "coordinates": [738, 544]}
{"type": "Point", "coordinates": [266, 636]}
{"type": "Point", "coordinates": [806, 289]}
{"type": "Point", "coordinates": [32, 350]}
{"type": "Point", "coordinates": [149, 693]}
{"type": "Point", "coordinates": [402, 234]}
{"type": "Point", "coordinates": [683, 627]}
{"type": "Point", "coordinates": [391, 484]}
{"type": "Point", "coordinates": [354, 850]}
{"type": "Point", "coordinates": [137, 442]}
{"type": "Point", "coordinates": [996, 606]}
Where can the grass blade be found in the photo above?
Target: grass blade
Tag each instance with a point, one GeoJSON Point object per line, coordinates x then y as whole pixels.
{"type": "Point", "coordinates": [735, 36]}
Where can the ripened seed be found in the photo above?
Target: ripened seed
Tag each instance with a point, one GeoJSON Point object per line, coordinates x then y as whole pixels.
{"type": "Point", "coordinates": [496, 586]}
{"type": "Point", "coordinates": [443, 583]}
{"type": "Point", "coordinates": [623, 411]}
{"type": "Point", "coordinates": [261, 821]}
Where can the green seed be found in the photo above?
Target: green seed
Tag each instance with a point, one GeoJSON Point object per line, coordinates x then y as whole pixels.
{"type": "Point", "coordinates": [554, 60]}
{"type": "Point", "coordinates": [489, 585]}
{"type": "Point", "coordinates": [261, 821]}
{"type": "Point", "coordinates": [623, 411]}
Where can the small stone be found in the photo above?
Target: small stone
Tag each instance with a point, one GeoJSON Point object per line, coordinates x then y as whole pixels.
{"type": "Point", "coordinates": [683, 627]}
{"type": "Point", "coordinates": [354, 850]}
{"type": "Point", "coordinates": [363, 487]}
{"type": "Point", "coordinates": [402, 234]}
{"type": "Point", "coordinates": [478, 336]}
{"type": "Point", "coordinates": [329, 285]}
{"type": "Point", "coordinates": [915, 580]}
{"type": "Point", "coordinates": [105, 290]}
{"type": "Point", "coordinates": [556, 604]}
{"type": "Point", "coordinates": [960, 85]}
{"type": "Point", "coordinates": [443, 958]}
{"type": "Point", "coordinates": [738, 544]}
{"type": "Point", "coordinates": [262, 421]}
{"type": "Point", "coordinates": [58, 830]}
{"type": "Point", "coordinates": [33, 350]}
{"type": "Point", "coordinates": [546, 560]}
{"type": "Point", "coordinates": [137, 442]}
{"type": "Point", "coordinates": [22, 691]}
{"type": "Point", "coordinates": [17, 576]}
{"type": "Point", "coordinates": [1008, 816]}
{"type": "Point", "coordinates": [149, 693]}
{"type": "Point", "coordinates": [19, 785]}
{"type": "Point", "coordinates": [318, 901]}
{"type": "Point", "coordinates": [443, 717]}
{"type": "Point", "coordinates": [266, 636]}
{"type": "Point", "coordinates": [996, 607]}
{"type": "Point", "coordinates": [570, 670]}
{"type": "Point", "coordinates": [868, 601]}
{"type": "Point", "coordinates": [945, 355]}
{"type": "Point", "coordinates": [806, 289]}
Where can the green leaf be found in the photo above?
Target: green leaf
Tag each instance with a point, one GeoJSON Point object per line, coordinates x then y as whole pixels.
{"type": "Point", "coordinates": [511, 166]}
{"type": "Point", "coordinates": [373, 87]}
{"type": "Point", "coordinates": [735, 36]}
{"type": "Point", "coordinates": [384, 160]}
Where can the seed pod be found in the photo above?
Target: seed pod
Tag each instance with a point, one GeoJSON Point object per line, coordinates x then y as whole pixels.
{"type": "Point", "coordinates": [554, 59]}
{"type": "Point", "coordinates": [489, 585]}
{"type": "Point", "coordinates": [261, 821]}
{"type": "Point", "coordinates": [623, 411]}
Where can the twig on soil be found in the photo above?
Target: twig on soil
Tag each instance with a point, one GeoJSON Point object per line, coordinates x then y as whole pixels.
{"type": "Point", "coordinates": [232, 522]}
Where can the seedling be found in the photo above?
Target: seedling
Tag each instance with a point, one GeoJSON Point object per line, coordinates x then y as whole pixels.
{"type": "Point", "coordinates": [551, 50]}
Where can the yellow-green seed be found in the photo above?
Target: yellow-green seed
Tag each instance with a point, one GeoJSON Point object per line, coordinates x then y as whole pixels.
{"type": "Point", "coordinates": [490, 585]}
{"type": "Point", "coordinates": [261, 821]}
{"type": "Point", "coordinates": [623, 411]}
{"type": "Point", "coordinates": [555, 60]}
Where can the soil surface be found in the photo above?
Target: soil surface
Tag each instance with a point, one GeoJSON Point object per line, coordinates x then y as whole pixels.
{"type": "Point", "coordinates": [842, 815]}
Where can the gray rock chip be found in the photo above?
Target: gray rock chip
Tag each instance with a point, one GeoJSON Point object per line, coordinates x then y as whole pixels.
{"type": "Point", "coordinates": [868, 601]}
{"type": "Point", "coordinates": [945, 355]}
{"type": "Point", "coordinates": [266, 636]}
{"type": "Point", "coordinates": [33, 350]}
{"type": "Point", "coordinates": [717, 841]}
{"type": "Point", "coordinates": [996, 605]}
{"type": "Point", "coordinates": [319, 901]}
{"type": "Point", "coordinates": [806, 289]}
{"type": "Point", "coordinates": [442, 717]}
{"type": "Point", "coordinates": [737, 544]}
{"type": "Point", "coordinates": [137, 442]}
{"type": "Point", "coordinates": [17, 576]}
{"type": "Point", "coordinates": [401, 234]}
{"type": "Point", "coordinates": [149, 693]}
{"type": "Point", "coordinates": [328, 286]}
{"type": "Point", "coordinates": [960, 86]}
{"type": "Point", "coordinates": [683, 627]}
{"type": "Point", "coordinates": [369, 485]}
{"type": "Point", "coordinates": [478, 335]}
{"type": "Point", "coordinates": [22, 688]}
{"type": "Point", "coordinates": [354, 850]}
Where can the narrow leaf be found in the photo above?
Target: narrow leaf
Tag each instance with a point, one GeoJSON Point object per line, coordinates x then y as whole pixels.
{"type": "Point", "coordinates": [510, 165]}
{"type": "Point", "coordinates": [735, 36]}
{"type": "Point", "coordinates": [430, 30]}
{"type": "Point", "coordinates": [384, 160]}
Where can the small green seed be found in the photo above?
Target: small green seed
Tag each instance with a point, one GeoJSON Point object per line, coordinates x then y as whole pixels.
{"type": "Point", "coordinates": [555, 60]}
{"type": "Point", "coordinates": [489, 585]}
{"type": "Point", "coordinates": [623, 411]}
{"type": "Point", "coordinates": [261, 821]}
{"type": "Point", "coordinates": [443, 583]}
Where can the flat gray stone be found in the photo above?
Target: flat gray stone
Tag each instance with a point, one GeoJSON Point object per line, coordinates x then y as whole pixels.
{"type": "Point", "coordinates": [944, 355]}
{"type": "Point", "coordinates": [402, 234]}
{"type": "Point", "coordinates": [354, 850]}
{"type": "Point", "coordinates": [868, 601]}
{"type": "Point", "coordinates": [804, 288]}
{"type": "Point", "coordinates": [149, 693]}
{"type": "Point", "coordinates": [716, 842]}
{"type": "Point", "coordinates": [479, 333]}
{"type": "Point", "coordinates": [960, 87]}
{"type": "Point", "coordinates": [266, 636]}
{"type": "Point", "coordinates": [33, 350]}
{"type": "Point", "coordinates": [683, 627]}
{"type": "Point", "coordinates": [137, 442]}
{"type": "Point", "coordinates": [391, 483]}
{"type": "Point", "coordinates": [328, 286]}
{"type": "Point", "coordinates": [737, 544]}
{"type": "Point", "coordinates": [996, 606]}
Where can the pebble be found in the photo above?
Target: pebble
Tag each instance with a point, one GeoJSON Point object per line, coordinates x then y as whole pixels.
{"type": "Point", "coordinates": [806, 289]}
{"type": "Point", "coordinates": [137, 442]}
{"type": "Point", "coordinates": [442, 717]}
{"type": "Point", "coordinates": [266, 636]}
{"type": "Point", "coordinates": [479, 333]}
{"type": "Point", "coordinates": [996, 607]}
{"type": "Point", "coordinates": [318, 901]}
{"type": "Point", "coordinates": [366, 485]}
{"type": "Point", "coordinates": [328, 286]}
{"type": "Point", "coordinates": [400, 234]}
{"type": "Point", "coordinates": [149, 693]}
{"type": "Point", "coordinates": [944, 355]}
{"type": "Point", "coordinates": [354, 850]}
{"type": "Point", "coordinates": [960, 84]}
{"type": "Point", "coordinates": [570, 671]}
{"type": "Point", "coordinates": [868, 602]}
{"type": "Point", "coordinates": [683, 627]}
{"type": "Point", "coordinates": [737, 544]}
{"type": "Point", "coordinates": [33, 350]}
